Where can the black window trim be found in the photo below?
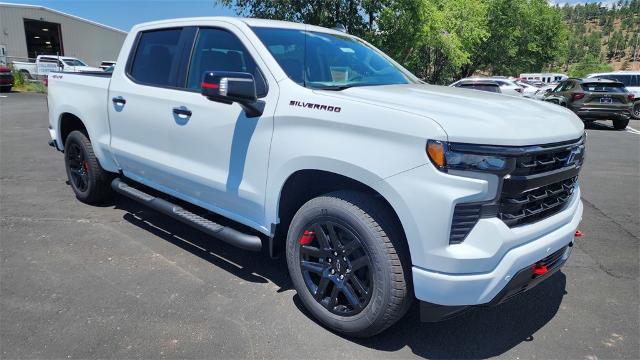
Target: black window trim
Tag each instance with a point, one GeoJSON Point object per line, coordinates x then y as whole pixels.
{"type": "Point", "coordinates": [182, 41]}
{"type": "Point", "coordinates": [193, 47]}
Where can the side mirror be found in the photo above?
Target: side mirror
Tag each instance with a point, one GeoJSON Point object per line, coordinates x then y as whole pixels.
{"type": "Point", "coordinates": [547, 91]}
{"type": "Point", "coordinates": [228, 87]}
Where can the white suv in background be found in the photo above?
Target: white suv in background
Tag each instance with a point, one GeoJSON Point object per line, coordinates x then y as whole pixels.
{"type": "Point", "coordinates": [508, 87]}
{"type": "Point", "coordinates": [630, 79]}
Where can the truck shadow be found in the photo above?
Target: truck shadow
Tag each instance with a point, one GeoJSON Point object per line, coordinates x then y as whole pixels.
{"type": "Point", "coordinates": [479, 333]}
{"type": "Point", "coordinates": [250, 266]}
{"type": "Point", "coordinates": [482, 332]}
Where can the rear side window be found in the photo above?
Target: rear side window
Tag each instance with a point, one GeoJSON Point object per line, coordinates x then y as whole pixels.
{"type": "Point", "coordinates": [155, 56]}
{"type": "Point", "coordinates": [604, 87]}
{"type": "Point", "coordinates": [220, 50]}
{"type": "Point", "coordinates": [482, 87]}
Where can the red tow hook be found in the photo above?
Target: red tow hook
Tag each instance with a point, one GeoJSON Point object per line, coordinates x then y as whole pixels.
{"type": "Point", "coordinates": [540, 268]}
{"type": "Point", "coordinates": [579, 233]}
{"type": "Point", "coordinates": [306, 238]}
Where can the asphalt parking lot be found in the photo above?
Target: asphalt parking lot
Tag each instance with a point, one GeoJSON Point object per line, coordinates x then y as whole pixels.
{"type": "Point", "coordinates": [121, 281]}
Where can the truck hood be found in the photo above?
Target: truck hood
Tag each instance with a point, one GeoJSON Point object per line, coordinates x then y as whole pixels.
{"type": "Point", "coordinates": [472, 116]}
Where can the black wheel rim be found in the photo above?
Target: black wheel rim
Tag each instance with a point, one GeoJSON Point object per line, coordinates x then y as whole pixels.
{"type": "Point", "coordinates": [636, 110]}
{"type": "Point", "coordinates": [336, 268]}
{"type": "Point", "coordinates": [78, 167]}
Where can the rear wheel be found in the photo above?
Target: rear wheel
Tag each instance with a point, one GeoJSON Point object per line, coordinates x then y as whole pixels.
{"type": "Point", "coordinates": [349, 263]}
{"type": "Point", "coordinates": [89, 181]}
{"type": "Point", "coordinates": [620, 124]}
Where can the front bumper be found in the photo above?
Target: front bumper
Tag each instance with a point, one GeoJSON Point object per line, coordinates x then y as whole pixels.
{"type": "Point", "coordinates": [524, 280]}
{"type": "Point", "coordinates": [453, 289]}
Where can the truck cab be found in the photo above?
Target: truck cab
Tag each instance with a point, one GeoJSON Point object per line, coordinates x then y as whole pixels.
{"type": "Point", "coordinates": [311, 143]}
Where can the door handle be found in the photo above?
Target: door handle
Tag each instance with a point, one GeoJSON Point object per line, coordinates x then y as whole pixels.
{"type": "Point", "coordinates": [119, 100]}
{"type": "Point", "coordinates": [182, 111]}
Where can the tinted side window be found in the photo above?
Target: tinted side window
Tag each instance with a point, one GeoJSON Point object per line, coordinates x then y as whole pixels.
{"type": "Point", "coordinates": [155, 56]}
{"type": "Point", "coordinates": [220, 50]}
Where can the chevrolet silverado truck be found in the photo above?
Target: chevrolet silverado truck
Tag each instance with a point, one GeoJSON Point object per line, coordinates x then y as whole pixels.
{"type": "Point", "coordinates": [308, 142]}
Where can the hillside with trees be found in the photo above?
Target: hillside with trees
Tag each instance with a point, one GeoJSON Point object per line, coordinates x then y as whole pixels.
{"type": "Point", "coordinates": [443, 40]}
{"type": "Point", "coordinates": [601, 37]}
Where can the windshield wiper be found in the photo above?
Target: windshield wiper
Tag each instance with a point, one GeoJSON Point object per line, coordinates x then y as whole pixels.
{"type": "Point", "coordinates": [346, 86]}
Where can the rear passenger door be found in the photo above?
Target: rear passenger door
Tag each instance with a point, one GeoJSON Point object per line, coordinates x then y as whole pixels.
{"type": "Point", "coordinates": [140, 113]}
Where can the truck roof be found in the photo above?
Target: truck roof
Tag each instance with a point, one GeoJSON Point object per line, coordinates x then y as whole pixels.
{"type": "Point", "coordinates": [252, 22]}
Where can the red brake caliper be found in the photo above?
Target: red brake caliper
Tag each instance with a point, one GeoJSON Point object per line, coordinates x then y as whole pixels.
{"type": "Point", "coordinates": [85, 166]}
{"type": "Point", "coordinates": [306, 238]}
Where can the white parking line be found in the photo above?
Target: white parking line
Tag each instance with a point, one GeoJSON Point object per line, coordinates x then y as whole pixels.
{"type": "Point", "coordinates": [3, 96]}
{"type": "Point", "coordinates": [632, 130]}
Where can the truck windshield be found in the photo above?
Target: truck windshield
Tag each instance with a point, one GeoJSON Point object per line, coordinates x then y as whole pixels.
{"type": "Point", "coordinates": [329, 61]}
{"type": "Point", "coordinates": [74, 62]}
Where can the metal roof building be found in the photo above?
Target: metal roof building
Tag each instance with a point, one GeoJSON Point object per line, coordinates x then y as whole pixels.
{"type": "Point", "coordinates": [27, 31]}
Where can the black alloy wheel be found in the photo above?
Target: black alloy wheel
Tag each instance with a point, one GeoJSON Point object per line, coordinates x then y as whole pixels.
{"type": "Point", "coordinates": [335, 267]}
{"type": "Point", "coordinates": [78, 167]}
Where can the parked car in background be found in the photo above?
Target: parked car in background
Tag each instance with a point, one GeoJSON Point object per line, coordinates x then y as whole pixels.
{"type": "Point", "coordinates": [6, 78]}
{"type": "Point", "coordinates": [106, 64]}
{"type": "Point", "coordinates": [47, 63]}
{"type": "Point", "coordinates": [631, 80]}
{"type": "Point", "coordinates": [595, 99]}
{"type": "Point", "coordinates": [507, 87]}
{"type": "Point", "coordinates": [528, 90]}
{"type": "Point", "coordinates": [544, 90]}
{"type": "Point", "coordinates": [482, 85]}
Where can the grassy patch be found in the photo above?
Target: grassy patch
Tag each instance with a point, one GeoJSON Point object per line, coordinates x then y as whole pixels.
{"type": "Point", "coordinates": [35, 86]}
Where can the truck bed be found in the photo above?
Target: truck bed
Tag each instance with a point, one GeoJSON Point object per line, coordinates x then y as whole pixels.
{"type": "Point", "coordinates": [89, 93]}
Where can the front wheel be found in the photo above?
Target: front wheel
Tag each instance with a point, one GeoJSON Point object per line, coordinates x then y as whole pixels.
{"type": "Point", "coordinates": [620, 124]}
{"type": "Point", "coordinates": [636, 110]}
{"type": "Point", "coordinates": [89, 181]}
{"type": "Point", "coordinates": [349, 263]}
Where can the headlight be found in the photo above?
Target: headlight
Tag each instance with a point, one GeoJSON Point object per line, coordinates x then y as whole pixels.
{"type": "Point", "coordinates": [445, 159]}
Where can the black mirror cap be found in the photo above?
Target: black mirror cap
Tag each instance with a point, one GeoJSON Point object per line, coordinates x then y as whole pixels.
{"type": "Point", "coordinates": [228, 86]}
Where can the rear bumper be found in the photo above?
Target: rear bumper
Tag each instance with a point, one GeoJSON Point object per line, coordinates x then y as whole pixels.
{"type": "Point", "coordinates": [603, 114]}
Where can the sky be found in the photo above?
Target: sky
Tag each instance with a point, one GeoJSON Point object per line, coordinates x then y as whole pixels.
{"type": "Point", "coordinates": [123, 14]}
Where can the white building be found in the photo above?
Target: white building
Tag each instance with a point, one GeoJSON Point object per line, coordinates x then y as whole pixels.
{"type": "Point", "coordinates": [27, 31]}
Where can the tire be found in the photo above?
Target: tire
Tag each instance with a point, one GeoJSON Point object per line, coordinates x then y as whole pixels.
{"type": "Point", "coordinates": [620, 124]}
{"type": "Point", "coordinates": [26, 75]}
{"type": "Point", "coordinates": [367, 230]}
{"type": "Point", "coordinates": [88, 180]}
{"type": "Point", "coordinates": [636, 110]}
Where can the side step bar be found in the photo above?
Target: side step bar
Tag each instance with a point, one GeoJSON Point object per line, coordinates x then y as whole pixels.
{"type": "Point", "coordinates": [224, 233]}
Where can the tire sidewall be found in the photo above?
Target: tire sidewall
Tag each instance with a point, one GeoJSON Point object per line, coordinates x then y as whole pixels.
{"type": "Point", "coordinates": [76, 137]}
{"type": "Point", "coordinates": [320, 209]}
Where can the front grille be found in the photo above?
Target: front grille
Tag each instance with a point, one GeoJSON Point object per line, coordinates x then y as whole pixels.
{"type": "Point", "coordinates": [536, 204]}
{"type": "Point", "coordinates": [541, 183]}
{"type": "Point", "coordinates": [541, 162]}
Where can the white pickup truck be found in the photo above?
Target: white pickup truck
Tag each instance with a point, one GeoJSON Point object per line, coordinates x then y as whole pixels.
{"type": "Point", "coordinates": [45, 64]}
{"type": "Point", "coordinates": [378, 188]}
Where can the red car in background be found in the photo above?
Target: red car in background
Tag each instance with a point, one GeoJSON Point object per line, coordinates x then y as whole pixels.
{"type": "Point", "coordinates": [6, 78]}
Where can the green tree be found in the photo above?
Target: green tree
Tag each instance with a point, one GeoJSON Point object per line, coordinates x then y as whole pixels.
{"type": "Point", "coordinates": [434, 39]}
{"type": "Point", "coordinates": [525, 36]}
{"type": "Point", "coordinates": [588, 65]}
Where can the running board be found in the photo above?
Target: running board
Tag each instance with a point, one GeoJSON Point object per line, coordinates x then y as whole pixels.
{"type": "Point", "coordinates": [224, 233]}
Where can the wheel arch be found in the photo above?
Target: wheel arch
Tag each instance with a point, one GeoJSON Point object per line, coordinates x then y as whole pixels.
{"type": "Point", "coordinates": [304, 184]}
